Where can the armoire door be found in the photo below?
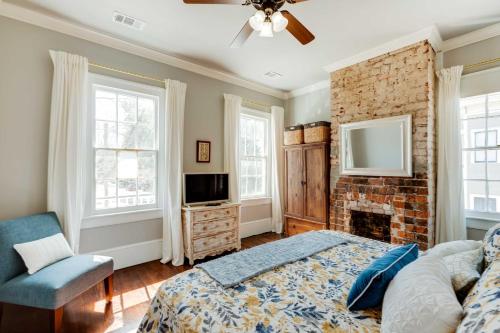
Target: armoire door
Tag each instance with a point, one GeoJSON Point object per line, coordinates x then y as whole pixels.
{"type": "Point", "coordinates": [294, 203]}
{"type": "Point", "coordinates": [315, 176]}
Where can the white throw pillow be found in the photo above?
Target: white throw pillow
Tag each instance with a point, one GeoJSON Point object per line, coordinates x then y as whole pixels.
{"type": "Point", "coordinates": [449, 248]}
{"type": "Point", "coordinates": [43, 252]}
{"type": "Point", "coordinates": [421, 299]}
{"type": "Point", "coordinates": [465, 268]}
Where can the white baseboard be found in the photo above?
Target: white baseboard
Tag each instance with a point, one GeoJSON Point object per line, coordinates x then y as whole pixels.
{"type": "Point", "coordinates": [133, 254]}
{"type": "Point", "coordinates": [138, 253]}
{"type": "Point", "coordinates": [256, 227]}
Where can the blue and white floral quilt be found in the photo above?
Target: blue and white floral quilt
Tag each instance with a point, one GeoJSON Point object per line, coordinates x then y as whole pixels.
{"type": "Point", "coordinates": [305, 296]}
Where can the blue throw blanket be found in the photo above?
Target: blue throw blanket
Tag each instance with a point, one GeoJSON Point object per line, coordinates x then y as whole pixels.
{"type": "Point", "coordinates": [235, 268]}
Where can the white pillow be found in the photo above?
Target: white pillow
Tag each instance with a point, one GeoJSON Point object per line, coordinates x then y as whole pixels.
{"type": "Point", "coordinates": [465, 268]}
{"type": "Point", "coordinates": [43, 252]}
{"type": "Point", "coordinates": [421, 299]}
{"type": "Point", "coordinates": [449, 248]}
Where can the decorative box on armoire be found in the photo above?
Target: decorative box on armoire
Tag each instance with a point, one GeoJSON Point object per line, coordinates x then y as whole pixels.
{"type": "Point", "coordinates": [307, 187]}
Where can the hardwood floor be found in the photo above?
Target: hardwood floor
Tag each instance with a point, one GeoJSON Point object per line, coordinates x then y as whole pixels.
{"type": "Point", "coordinates": [134, 287]}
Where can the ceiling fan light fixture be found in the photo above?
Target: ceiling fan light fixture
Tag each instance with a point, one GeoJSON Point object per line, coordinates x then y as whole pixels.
{"type": "Point", "coordinates": [267, 29]}
{"type": "Point", "coordinates": [279, 22]}
{"type": "Point", "coordinates": [257, 20]}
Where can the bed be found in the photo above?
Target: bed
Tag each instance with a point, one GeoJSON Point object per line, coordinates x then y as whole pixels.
{"type": "Point", "coordinates": [308, 295]}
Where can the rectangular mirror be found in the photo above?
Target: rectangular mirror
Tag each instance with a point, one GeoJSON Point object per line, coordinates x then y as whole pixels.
{"type": "Point", "coordinates": [381, 147]}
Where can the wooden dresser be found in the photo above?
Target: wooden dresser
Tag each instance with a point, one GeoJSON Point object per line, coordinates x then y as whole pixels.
{"type": "Point", "coordinates": [307, 187]}
{"type": "Point", "coordinates": [210, 230]}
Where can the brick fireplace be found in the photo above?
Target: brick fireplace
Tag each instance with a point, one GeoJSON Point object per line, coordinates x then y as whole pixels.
{"type": "Point", "coordinates": [371, 225]}
{"type": "Point", "coordinates": [397, 83]}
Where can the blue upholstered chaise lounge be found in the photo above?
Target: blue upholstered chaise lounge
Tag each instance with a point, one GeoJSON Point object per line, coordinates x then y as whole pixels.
{"type": "Point", "coordinates": [53, 286]}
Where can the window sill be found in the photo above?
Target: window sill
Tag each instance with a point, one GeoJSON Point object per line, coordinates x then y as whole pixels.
{"type": "Point", "coordinates": [97, 221]}
{"type": "Point", "coordinates": [255, 202]}
{"type": "Point", "coordinates": [480, 223]}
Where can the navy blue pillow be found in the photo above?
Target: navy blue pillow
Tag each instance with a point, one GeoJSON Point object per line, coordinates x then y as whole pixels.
{"type": "Point", "coordinates": [369, 289]}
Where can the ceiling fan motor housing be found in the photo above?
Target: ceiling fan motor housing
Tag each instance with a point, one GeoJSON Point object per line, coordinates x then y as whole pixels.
{"type": "Point", "coordinates": [269, 6]}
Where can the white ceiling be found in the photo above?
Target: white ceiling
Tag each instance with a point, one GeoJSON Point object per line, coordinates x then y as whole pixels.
{"type": "Point", "coordinates": [343, 28]}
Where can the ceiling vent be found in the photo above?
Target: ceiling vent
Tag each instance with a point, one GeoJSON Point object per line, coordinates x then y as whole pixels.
{"type": "Point", "coordinates": [273, 75]}
{"type": "Point", "coordinates": [128, 21]}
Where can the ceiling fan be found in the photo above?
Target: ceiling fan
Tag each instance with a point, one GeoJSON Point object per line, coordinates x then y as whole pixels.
{"type": "Point", "coordinates": [267, 20]}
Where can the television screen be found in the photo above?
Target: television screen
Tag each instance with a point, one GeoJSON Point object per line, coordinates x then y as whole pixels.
{"type": "Point", "coordinates": [206, 188]}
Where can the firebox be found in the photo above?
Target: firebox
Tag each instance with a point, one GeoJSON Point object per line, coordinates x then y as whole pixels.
{"type": "Point", "coordinates": [371, 225]}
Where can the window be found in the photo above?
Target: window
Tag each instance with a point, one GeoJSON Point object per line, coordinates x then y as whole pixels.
{"type": "Point", "coordinates": [254, 154]}
{"type": "Point", "coordinates": [481, 170]}
{"type": "Point", "coordinates": [124, 119]}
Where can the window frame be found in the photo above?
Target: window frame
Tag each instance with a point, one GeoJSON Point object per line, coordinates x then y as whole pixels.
{"type": "Point", "coordinates": [118, 215]}
{"type": "Point", "coordinates": [266, 198]}
{"type": "Point", "coordinates": [471, 213]}
{"type": "Point", "coordinates": [485, 148]}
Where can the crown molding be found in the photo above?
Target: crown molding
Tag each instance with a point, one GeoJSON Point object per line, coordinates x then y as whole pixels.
{"type": "Point", "coordinates": [430, 33]}
{"type": "Point", "coordinates": [308, 89]}
{"type": "Point", "coordinates": [76, 30]}
{"type": "Point", "coordinates": [471, 37]}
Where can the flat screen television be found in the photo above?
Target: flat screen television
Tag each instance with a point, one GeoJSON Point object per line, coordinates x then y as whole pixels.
{"type": "Point", "coordinates": [205, 188]}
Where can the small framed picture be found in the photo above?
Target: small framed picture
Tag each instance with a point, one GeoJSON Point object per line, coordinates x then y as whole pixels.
{"type": "Point", "coordinates": [203, 151]}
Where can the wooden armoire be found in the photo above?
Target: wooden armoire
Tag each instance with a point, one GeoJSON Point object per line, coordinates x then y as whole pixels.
{"type": "Point", "coordinates": [307, 187]}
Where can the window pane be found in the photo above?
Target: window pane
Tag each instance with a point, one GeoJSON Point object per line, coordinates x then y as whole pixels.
{"type": "Point", "coordinates": [127, 109]}
{"type": "Point", "coordinates": [473, 189]}
{"type": "Point", "coordinates": [105, 189]}
{"type": "Point", "coordinates": [105, 164]}
{"type": "Point", "coordinates": [260, 138]}
{"type": "Point", "coordinates": [146, 114]}
{"type": "Point", "coordinates": [147, 200]}
{"type": "Point", "coordinates": [493, 167]}
{"type": "Point", "coordinates": [105, 203]}
{"type": "Point", "coordinates": [473, 107]}
{"type": "Point", "coordinates": [145, 137]}
{"type": "Point", "coordinates": [105, 134]}
{"type": "Point", "coordinates": [494, 104]}
{"type": "Point", "coordinates": [147, 164]}
{"type": "Point", "coordinates": [126, 135]}
{"type": "Point", "coordinates": [127, 164]}
{"type": "Point", "coordinates": [473, 133]}
{"type": "Point", "coordinates": [105, 105]}
{"type": "Point", "coordinates": [494, 195]}
{"type": "Point", "coordinates": [146, 186]}
{"type": "Point", "coordinates": [127, 202]}
{"type": "Point", "coordinates": [127, 187]}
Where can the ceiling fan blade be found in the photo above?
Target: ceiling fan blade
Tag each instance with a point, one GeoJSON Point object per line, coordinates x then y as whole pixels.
{"type": "Point", "coordinates": [214, 2]}
{"type": "Point", "coordinates": [242, 36]}
{"type": "Point", "coordinates": [297, 29]}
{"type": "Point", "coordinates": [295, 1]}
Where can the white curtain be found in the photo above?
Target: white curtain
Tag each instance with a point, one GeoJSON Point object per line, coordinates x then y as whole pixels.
{"type": "Point", "coordinates": [450, 220]}
{"type": "Point", "coordinates": [277, 173]}
{"type": "Point", "coordinates": [67, 143]}
{"type": "Point", "coordinates": [232, 110]}
{"type": "Point", "coordinates": [173, 247]}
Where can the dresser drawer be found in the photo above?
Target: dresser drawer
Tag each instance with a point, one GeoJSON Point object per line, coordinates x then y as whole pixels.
{"type": "Point", "coordinates": [203, 228]}
{"type": "Point", "coordinates": [214, 242]}
{"type": "Point", "coordinates": [214, 214]}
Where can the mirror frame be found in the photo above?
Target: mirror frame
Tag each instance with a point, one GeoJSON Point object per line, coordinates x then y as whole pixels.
{"type": "Point", "coordinates": [405, 122]}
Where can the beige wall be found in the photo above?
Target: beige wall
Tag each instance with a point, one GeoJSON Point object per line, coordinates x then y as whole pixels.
{"type": "Point", "coordinates": [25, 84]}
{"type": "Point", "coordinates": [308, 108]}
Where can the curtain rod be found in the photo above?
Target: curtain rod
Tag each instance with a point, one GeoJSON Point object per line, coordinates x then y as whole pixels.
{"type": "Point", "coordinates": [482, 63]}
{"type": "Point", "coordinates": [149, 78]}
{"type": "Point", "coordinates": [140, 76]}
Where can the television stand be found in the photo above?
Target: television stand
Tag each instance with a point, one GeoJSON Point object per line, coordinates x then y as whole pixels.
{"type": "Point", "coordinates": [210, 230]}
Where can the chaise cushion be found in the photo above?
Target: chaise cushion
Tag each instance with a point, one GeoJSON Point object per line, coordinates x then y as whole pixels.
{"type": "Point", "coordinates": [57, 284]}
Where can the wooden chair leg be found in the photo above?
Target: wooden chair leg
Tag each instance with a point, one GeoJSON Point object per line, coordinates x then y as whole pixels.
{"type": "Point", "coordinates": [108, 288]}
{"type": "Point", "coordinates": [1, 313]}
{"type": "Point", "coordinates": [56, 320]}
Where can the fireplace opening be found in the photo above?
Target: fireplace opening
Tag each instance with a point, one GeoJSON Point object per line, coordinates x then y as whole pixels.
{"type": "Point", "coordinates": [371, 225]}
